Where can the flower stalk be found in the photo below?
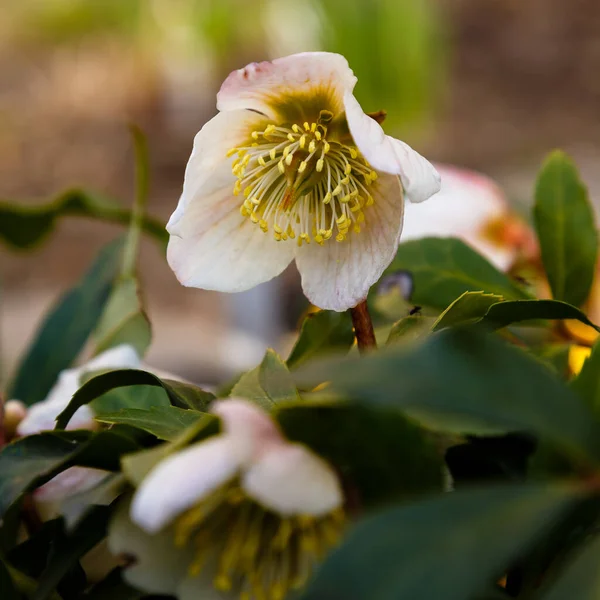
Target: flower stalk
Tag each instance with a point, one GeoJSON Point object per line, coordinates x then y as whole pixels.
{"type": "Point", "coordinates": [363, 327]}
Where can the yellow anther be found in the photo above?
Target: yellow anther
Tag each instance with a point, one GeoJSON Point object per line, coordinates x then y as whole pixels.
{"type": "Point", "coordinates": [246, 160]}
{"type": "Point", "coordinates": [288, 159]}
{"type": "Point", "coordinates": [277, 229]}
{"type": "Point", "coordinates": [255, 200]}
{"type": "Point", "coordinates": [248, 190]}
{"type": "Point", "coordinates": [305, 237]}
{"type": "Point", "coordinates": [248, 204]}
{"type": "Point", "coordinates": [244, 211]}
{"type": "Point", "coordinates": [237, 188]}
{"type": "Point", "coordinates": [354, 194]}
{"type": "Point", "coordinates": [341, 220]}
{"type": "Point", "coordinates": [286, 151]}
{"type": "Point", "coordinates": [312, 146]}
{"type": "Point", "coordinates": [281, 167]}
{"type": "Point", "coordinates": [326, 147]}
{"type": "Point", "coordinates": [231, 152]}
{"type": "Point", "coordinates": [348, 169]}
{"type": "Point", "coordinates": [319, 238]}
{"type": "Point", "coordinates": [318, 135]}
{"type": "Point", "coordinates": [345, 180]}
{"type": "Point", "coordinates": [290, 136]}
{"type": "Point", "coordinates": [313, 127]}
{"type": "Point", "coordinates": [355, 208]}
{"type": "Point", "coordinates": [255, 145]}
{"type": "Point", "coordinates": [356, 228]}
{"type": "Point", "coordinates": [237, 170]}
{"type": "Point", "coordinates": [255, 135]}
{"type": "Point", "coordinates": [262, 162]}
{"type": "Point", "coordinates": [337, 190]}
{"type": "Point", "coordinates": [353, 153]}
{"type": "Point", "coordinates": [277, 237]}
{"type": "Point", "coordinates": [291, 232]}
{"type": "Point", "coordinates": [340, 237]}
{"type": "Point", "coordinates": [295, 128]}
{"type": "Point", "coordinates": [374, 175]}
{"type": "Point", "coordinates": [272, 153]}
{"type": "Point", "coordinates": [327, 198]}
{"type": "Point", "coordinates": [306, 126]}
{"type": "Point", "coordinates": [222, 582]}
{"type": "Point", "coordinates": [360, 217]}
{"type": "Point", "coordinates": [302, 167]}
{"type": "Point", "coordinates": [263, 225]}
{"type": "Point", "coordinates": [269, 129]}
{"type": "Point", "coordinates": [345, 199]}
{"type": "Point", "coordinates": [320, 165]}
{"type": "Point", "coordinates": [328, 234]}
{"type": "Point", "coordinates": [370, 200]}
{"type": "Point", "coordinates": [302, 141]}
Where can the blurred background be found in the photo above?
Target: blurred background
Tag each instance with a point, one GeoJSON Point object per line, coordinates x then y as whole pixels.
{"type": "Point", "coordinates": [486, 84]}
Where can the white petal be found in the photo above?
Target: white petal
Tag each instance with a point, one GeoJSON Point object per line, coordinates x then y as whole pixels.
{"type": "Point", "coordinates": [266, 86]}
{"type": "Point", "coordinates": [293, 481]}
{"type": "Point", "coordinates": [181, 480]}
{"type": "Point", "coordinates": [215, 248]}
{"type": "Point", "coordinates": [338, 275]}
{"type": "Point", "coordinates": [209, 168]}
{"type": "Point", "coordinates": [158, 565]}
{"type": "Point", "coordinates": [242, 418]}
{"type": "Point", "coordinates": [123, 356]}
{"type": "Point", "coordinates": [466, 205]}
{"type": "Point", "coordinates": [419, 178]}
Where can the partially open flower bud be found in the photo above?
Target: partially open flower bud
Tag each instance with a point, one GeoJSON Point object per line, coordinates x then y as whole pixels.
{"type": "Point", "coordinates": [14, 412]}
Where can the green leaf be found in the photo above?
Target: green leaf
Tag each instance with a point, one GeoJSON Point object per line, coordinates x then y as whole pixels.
{"type": "Point", "coordinates": [409, 329]}
{"type": "Point", "coordinates": [136, 396]}
{"type": "Point", "coordinates": [564, 220]}
{"type": "Point", "coordinates": [445, 268]}
{"type": "Point", "coordinates": [89, 532]}
{"type": "Point", "coordinates": [183, 395]}
{"type": "Point", "coordinates": [66, 328]}
{"type": "Point", "coordinates": [506, 313]}
{"type": "Point", "coordinates": [165, 422]}
{"type": "Point", "coordinates": [581, 579]}
{"type": "Point", "coordinates": [24, 226]}
{"type": "Point", "coordinates": [9, 589]}
{"type": "Point", "coordinates": [267, 385]}
{"type": "Point", "coordinates": [394, 458]}
{"type": "Point", "coordinates": [322, 332]}
{"type": "Point", "coordinates": [25, 585]}
{"type": "Point", "coordinates": [587, 382]}
{"type": "Point", "coordinates": [449, 547]}
{"type": "Point", "coordinates": [30, 462]}
{"type": "Point", "coordinates": [468, 308]}
{"type": "Point", "coordinates": [467, 381]}
{"type": "Point", "coordinates": [124, 320]}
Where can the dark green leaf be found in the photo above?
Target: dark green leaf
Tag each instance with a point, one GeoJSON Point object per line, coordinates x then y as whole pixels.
{"type": "Point", "coordinates": [183, 395]}
{"type": "Point", "coordinates": [32, 461]}
{"type": "Point", "coordinates": [468, 308]}
{"type": "Point", "coordinates": [587, 382]}
{"type": "Point", "coordinates": [124, 320]}
{"type": "Point", "coordinates": [445, 268]}
{"type": "Point", "coordinates": [394, 458]}
{"type": "Point", "coordinates": [322, 332]}
{"type": "Point", "coordinates": [268, 384]}
{"type": "Point", "coordinates": [506, 313]}
{"type": "Point", "coordinates": [474, 377]}
{"type": "Point", "coordinates": [136, 396]}
{"type": "Point", "coordinates": [66, 328]}
{"type": "Point", "coordinates": [564, 220]}
{"type": "Point", "coordinates": [449, 547]}
{"type": "Point", "coordinates": [410, 329]}
{"type": "Point", "coordinates": [114, 588]}
{"type": "Point", "coordinates": [165, 422]}
{"type": "Point", "coordinates": [8, 588]}
{"type": "Point", "coordinates": [23, 226]}
{"type": "Point", "coordinates": [581, 579]}
{"type": "Point", "coordinates": [66, 554]}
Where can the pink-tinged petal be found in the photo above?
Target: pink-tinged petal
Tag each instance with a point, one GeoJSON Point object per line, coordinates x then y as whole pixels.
{"type": "Point", "coordinates": [301, 83]}
{"type": "Point", "coordinates": [419, 178]}
{"type": "Point", "coordinates": [473, 208]}
{"type": "Point", "coordinates": [215, 248]}
{"type": "Point", "coordinates": [243, 419]}
{"type": "Point", "coordinates": [209, 167]}
{"type": "Point", "coordinates": [338, 275]}
{"type": "Point", "coordinates": [181, 480]}
{"type": "Point", "coordinates": [291, 480]}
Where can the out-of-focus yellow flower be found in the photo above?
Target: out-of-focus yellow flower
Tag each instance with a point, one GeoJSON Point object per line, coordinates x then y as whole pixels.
{"type": "Point", "coordinates": [577, 356]}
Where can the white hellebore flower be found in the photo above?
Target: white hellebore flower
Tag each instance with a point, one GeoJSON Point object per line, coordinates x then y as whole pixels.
{"type": "Point", "coordinates": [471, 207]}
{"type": "Point", "coordinates": [292, 168]}
{"type": "Point", "coordinates": [247, 508]}
{"type": "Point", "coordinates": [72, 491]}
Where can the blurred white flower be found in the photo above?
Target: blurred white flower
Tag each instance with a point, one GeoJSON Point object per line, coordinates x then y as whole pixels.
{"type": "Point", "coordinates": [472, 207]}
{"type": "Point", "coordinates": [292, 168]}
{"type": "Point", "coordinates": [246, 510]}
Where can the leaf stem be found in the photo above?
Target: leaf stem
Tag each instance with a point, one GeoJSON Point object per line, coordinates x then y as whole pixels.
{"type": "Point", "coordinates": [363, 327]}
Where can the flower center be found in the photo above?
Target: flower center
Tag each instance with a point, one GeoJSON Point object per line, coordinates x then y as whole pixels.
{"type": "Point", "coordinates": [300, 185]}
{"type": "Point", "coordinates": [255, 552]}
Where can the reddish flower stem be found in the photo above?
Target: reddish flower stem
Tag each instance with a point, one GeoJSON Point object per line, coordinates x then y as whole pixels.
{"type": "Point", "coordinates": [363, 327]}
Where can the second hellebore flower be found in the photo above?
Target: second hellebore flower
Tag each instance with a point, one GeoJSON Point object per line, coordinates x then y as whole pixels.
{"type": "Point", "coordinates": [246, 512]}
{"type": "Point", "coordinates": [292, 168]}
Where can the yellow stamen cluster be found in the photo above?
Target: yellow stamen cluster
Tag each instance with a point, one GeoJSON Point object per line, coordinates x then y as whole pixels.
{"type": "Point", "coordinates": [301, 186]}
{"type": "Point", "coordinates": [252, 551]}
